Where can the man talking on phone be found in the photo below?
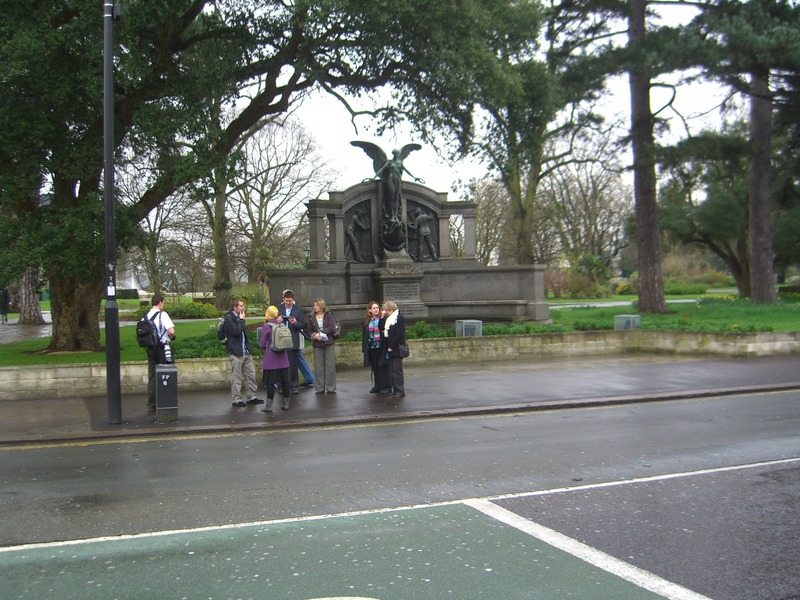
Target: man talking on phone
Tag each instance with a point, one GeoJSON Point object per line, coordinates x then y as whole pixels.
{"type": "Point", "coordinates": [291, 314]}
{"type": "Point", "coordinates": [243, 371]}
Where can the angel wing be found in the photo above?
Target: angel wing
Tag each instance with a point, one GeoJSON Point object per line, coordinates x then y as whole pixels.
{"type": "Point", "coordinates": [377, 155]}
{"type": "Point", "coordinates": [408, 149]}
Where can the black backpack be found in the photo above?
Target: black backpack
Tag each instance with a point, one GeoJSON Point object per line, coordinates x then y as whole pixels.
{"type": "Point", "coordinates": [147, 332]}
{"type": "Point", "coordinates": [221, 335]}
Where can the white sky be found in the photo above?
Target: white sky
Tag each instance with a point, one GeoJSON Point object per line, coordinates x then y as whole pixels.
{"type": "Point", "coordinates": [330, 125]}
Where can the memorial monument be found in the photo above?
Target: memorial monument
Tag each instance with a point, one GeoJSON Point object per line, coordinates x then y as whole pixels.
{"type": "Point", "coordinates": [386, 238]}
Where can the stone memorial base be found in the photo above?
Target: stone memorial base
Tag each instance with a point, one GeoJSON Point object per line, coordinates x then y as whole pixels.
{"type": "Point", "coordinates": [402, 282]}
{"type": "Point", "coordinates": [352, 262]}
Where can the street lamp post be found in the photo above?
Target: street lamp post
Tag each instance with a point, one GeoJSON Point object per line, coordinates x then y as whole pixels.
{"type": "Point", "coordinates": [110, 11]}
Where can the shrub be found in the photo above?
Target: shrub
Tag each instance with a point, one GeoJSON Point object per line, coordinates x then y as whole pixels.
{"type": "Point", "coordinates": [681, 288]}
{"type": "Point", "coordinates": [195, 310]}
{"type": "Point", "coordinates": [582, 325]}
{"type": "Point", "coordinates": [789, 297]}
{"type": "Point", "coordinates": [625, 287]}
{"type": "Point", "coordinates": [127, 294]}
{"type": "Point", "coordinates": [555, 281]}
{"type": "Point", "coordinates": [582, 286]}
{"type": "Point", "coordinates": [713, 278]}
{"type": "Point", "coordinates": [208, 345]}
{"type": "Point", "coordinates": [684, 324]}
{"type": "Point", "coordinates": [423, 330]}
{"type": "Point", "coordinates": [722, 299]}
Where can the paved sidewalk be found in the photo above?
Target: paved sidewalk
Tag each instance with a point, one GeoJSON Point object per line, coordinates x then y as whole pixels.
{"type": "Point", "coordinates": [435, 390]}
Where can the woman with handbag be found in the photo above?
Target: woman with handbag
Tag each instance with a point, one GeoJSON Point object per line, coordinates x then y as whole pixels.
{"type": "Point", "coordinates": [371, 347]}
{"type": "Point", "coordinates": [394, 335]}
{"type": "Point", "coordinates": [321, 327]}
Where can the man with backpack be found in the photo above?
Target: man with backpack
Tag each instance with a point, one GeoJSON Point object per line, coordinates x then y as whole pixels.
{"type": "Point", "coordinates": [156, 354]}
{"type": "Point", "coordinates": [243, 371]}
{"type": "Point", "coordinates": [291, 314]}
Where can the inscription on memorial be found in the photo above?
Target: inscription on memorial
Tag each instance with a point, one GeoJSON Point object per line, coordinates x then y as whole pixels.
{"type": "Point", "coordinates": [401, 292]}
{"type": "Point", "coordinates": [415, 311]}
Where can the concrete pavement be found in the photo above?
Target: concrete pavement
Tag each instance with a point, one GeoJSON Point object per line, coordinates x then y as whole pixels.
{"type": "Point", "coordinates": [431, 390]}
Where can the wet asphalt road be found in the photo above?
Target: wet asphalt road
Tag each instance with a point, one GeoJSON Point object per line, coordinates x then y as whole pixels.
{"type": "Point", "coordinates": [702, 492]}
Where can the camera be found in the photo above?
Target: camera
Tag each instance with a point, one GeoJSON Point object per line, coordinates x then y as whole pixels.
{"type": "Point", "coordinates": [167, 354]}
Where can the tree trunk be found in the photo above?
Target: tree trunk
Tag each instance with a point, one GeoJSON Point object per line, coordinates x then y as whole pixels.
{"type": "Point", "coordinates": [151, 265]}
{"type": "Point", "coordinates": [219, 234]}
{"type": "Point", "coordinates": [75, 309]}
{"type": "Point", "coordinates": [521, 188]}
{"type": "Point", "coordinates": [30, 313]}
{"type": "Point", "coordinates": [761, 254]}
{"type": "Point", "coordinates": [651, 287]}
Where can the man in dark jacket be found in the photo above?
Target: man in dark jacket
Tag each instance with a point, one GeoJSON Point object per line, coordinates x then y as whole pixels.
{"type": "Point", "coordinates": [291, 314]}
{"type": "Point", "coordinates": [243, 372]}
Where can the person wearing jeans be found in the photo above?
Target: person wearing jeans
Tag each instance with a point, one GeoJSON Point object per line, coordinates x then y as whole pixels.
{"type": "Point", "coordinates": [291, 314]}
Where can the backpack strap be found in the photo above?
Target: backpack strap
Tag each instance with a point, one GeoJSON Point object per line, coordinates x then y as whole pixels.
{"type": "Point", "coordinates": [160, 325]}
{"type": "Point", "coordinates": [271, 337]}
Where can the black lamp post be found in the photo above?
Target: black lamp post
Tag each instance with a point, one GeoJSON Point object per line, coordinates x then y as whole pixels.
{"type": "Point", "coordinates": [113, 388]}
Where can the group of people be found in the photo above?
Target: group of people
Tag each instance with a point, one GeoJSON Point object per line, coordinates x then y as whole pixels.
{"type": "Point", "coordinates": [383, 332]}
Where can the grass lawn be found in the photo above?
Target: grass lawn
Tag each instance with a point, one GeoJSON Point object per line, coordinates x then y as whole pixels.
{"type": "Point", "coordinates": [30, 352]}
{"type": "Point", "coordinates": [198, 338]}
{"type": "Point", "coordinates": [738, 316]}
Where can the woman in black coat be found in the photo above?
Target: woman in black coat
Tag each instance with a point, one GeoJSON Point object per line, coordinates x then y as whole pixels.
{"type": "Point", "coordinates": [371, 337]}
{"type": "Point", "coordinates": [394, 333]}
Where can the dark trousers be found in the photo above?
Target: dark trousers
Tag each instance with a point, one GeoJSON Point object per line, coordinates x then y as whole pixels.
{"type": "Point", "coordinates": [294, 378]}
{"type": "Point", "coordinates": [274, 377]}
{"type": "Point", "coordinates": [398, 378]}
{"type": "Point", "coordinates": [155, 356]}
{"type": "Point", "coordinates": [381, 379]}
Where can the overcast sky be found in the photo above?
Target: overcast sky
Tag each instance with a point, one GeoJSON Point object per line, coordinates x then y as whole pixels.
{"type": "Point", "coordinates": [330, 125]}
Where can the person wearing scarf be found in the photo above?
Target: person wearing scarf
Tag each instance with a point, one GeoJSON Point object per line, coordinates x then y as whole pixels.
{"type": "Point", "coordinates": [394, 334]}
{"type": "Point", "coordinates": [371, 336]}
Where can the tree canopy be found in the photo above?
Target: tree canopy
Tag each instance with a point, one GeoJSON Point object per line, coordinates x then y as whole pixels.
{"type": "Point", "coordinates": [174, 60]}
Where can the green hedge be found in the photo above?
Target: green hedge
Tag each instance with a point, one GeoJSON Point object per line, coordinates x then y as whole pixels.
{"type": "Point", "coordinates": [184, 311]}
{"type": "Point", "coordinates": [127, 294]}
{"type": "Point", "coordinates": [681, 288]}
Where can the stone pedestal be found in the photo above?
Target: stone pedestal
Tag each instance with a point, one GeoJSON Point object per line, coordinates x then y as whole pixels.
{"type": "Point", "coordinates": [402, 282]}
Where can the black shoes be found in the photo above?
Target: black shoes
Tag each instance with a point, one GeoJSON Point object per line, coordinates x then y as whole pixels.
{"type": "Point", "coordinates": [252, 400]}
{"type": "Point", "coordinates": [306, 383]}
{"type": "Point", "coordinates": [374, 391]}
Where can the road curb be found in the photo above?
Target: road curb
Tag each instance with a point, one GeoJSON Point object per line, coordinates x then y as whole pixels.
{"type": "Point", "coordinates": [173, 430]}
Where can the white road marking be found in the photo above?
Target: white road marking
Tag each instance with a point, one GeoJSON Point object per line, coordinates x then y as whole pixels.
{"type": "Point", "coordinates": [377, 511]}
{"type": "Point", "coordinates": [606, 562]}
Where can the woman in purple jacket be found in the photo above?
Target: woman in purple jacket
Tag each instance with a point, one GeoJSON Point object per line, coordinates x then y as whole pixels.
{"type": "Point", "coordinates": [275, 365]}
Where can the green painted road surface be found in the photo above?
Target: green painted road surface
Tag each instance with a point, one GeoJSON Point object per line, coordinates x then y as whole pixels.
{"type": "Point", "coordinates": [460, 550]}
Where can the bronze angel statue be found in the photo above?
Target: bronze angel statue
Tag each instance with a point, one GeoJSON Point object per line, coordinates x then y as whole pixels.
{"type": "Point", "coordinates": [390, 172]}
